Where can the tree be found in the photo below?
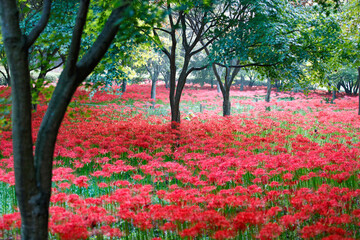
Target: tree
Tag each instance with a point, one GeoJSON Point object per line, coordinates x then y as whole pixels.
{"type": "Point", "coordinates": [347, 54]}
{"type": "Point", "coordinates": [191, 20]}
{"type": "Point", "coordinates": [262, 36]}
{"type": "Point", "coordinates": [33, 172]}
{"type": "Point", "coordinates": [350, 11]}
{"type": "Point", "coordinates": [153, 67]}
{"type": "Point", "coordinates": [50, 49]}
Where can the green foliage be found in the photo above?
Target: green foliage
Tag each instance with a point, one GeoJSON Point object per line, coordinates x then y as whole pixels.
{"type": "Point", "coordinates": [282, 41]}
{"type": "Point", "coordinates": [131, 48]}
{"type": "Point", "coordinates": [343, 48]}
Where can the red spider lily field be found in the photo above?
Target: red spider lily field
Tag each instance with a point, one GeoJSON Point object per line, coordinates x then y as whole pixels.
{"type": "Point", "coordinates": [287, 169]}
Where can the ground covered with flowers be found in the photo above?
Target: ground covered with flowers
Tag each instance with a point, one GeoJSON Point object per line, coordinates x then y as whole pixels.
{"type": "Point", "coordinates": [288, 169]}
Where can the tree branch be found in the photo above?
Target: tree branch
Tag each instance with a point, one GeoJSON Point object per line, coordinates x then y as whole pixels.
{"type": "Point", "coordinates": [163, 30]}
{"type": "Point", "coordinates": [160, 45]}
{"type": "Point", "coordinates": [5, 78]}
{"type": "Point", "coordinates": [248, 65]}
{"type": "Point", "coordinates": [196, 69]}
{"type": "Point", "coordinates": [76, 37]}
{"type": "Point", "coordinates": [183, 28]}
{"type": "Point", "coordinates": [40, 26]}
{"type": "Point", "coordinates": [55, 67]}
{"type": "Point", "coordinates": [89, 61]}
{"type": "Point", "coordinates": [199, 33]}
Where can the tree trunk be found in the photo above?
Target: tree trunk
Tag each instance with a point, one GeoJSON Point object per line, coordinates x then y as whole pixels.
{"type": "Point", "coordinates": [212, 82]}
{"type": "Point", "coordinates": [268, 90]}
{"type": "Point", "coordinates": [153, 89]}
{"type": "Point", "coordinates": [166, 79]}
{"type": "Point", "coordinates": [33, 174]}
{"type": "Point", "coordinates": [242, 83]}
{"type": "Point", "coordinates": [333, 96]}
{"type": "Point", "coordinates": [359, 88]}
{"type": "Point", "coordinates": [175, 97]}
{"type": "Point", "coordinates": [8, 81]}
{"type": "Point", "coordinates": [33, 208]}
{"type": "Point", "coordinates": [31, 202]}
{"type": "Point", "coordinates": [154, 78]}
{"type": "Point", "coordinates": [218, 87]}
{"type": "Point", "coordinates": [123, 86]}
{"type": "Point", "coordinates": [226, 103]}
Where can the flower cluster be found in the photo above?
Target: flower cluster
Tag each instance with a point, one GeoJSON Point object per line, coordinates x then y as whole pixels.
{"type": "Point", "coordinates": [292, 172]}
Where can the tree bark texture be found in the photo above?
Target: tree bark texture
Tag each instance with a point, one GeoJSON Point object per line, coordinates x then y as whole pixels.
{"type": "Point", "coordinates": [268, 90]}
{"type": "Point", "coordinates": [33, 173]}
{"type": "Point", "coordinates": [225, 87]}
{"type": "Point", "coordinates": [166, 79]}
{"type": "Point", "coordinates": [359, 88]}
{"type": "Point", "coordinates": [153, 89]}
{"type": "Point", "coordinates": [226, 104]}
{"type": "Point", "coordinates": [123, 86]}
{"type": "Point", "coordinates": [154, 72]}
{"type": "Point", "coordinates": [34, 216]}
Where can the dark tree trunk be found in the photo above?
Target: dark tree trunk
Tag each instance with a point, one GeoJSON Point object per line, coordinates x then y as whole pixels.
{"type": "Point", "coordinates": [225, 88]}
{"type": "Point", "coordinates": [166, 79]}
{"type": "Point", "coordinates": [338, 86]}
{"type": "Point", "coordinates": [33, 174]}
{"type": "Point", "coordinates": [359, 88]}
{"type": "Point", "coordinates": [212, 82]}
{"type": "Point", "coordinates": [32, 204]}
{"type": "Point", "coordinates": [333, 95]}
{"type": "Point", "coordinates": [123, 86]}
{"type": "Point", "coordinates": [268, 90]}
{"type": "Point", "coordinates": [175, 96]}
{"type": "Point", "coordinates": [8, 78]}
{"type": "Point", "coordinates": [199, 27]}
{"type": "Point", "coordinates": [251, 82]}
{"type": "Point", "coordinates": [154, 71]}
{"type": "Point", "coordinates": [153, 89]}
{"type": "Point", "coordinates": [153, 83]}
{"type": "Point", "coordinates": [226, 103]}
{"type": "Point", "coordinates": [175, 113]}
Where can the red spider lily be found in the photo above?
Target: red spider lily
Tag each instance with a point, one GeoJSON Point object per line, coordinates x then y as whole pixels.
{"type": "Point", "coordinates": [270, 231]}
{"type": "Point", "coordinates": [260, 172]}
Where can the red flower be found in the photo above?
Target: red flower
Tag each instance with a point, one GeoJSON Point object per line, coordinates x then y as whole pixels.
{"type": "Point", "coordinates": [270, 231]}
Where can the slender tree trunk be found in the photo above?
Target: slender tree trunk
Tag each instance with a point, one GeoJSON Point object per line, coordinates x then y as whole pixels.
{"type": "Point", "coordinates": [338, 86]}
{"type": "Point", "coordinates": [123, 86]}
{"type": "Point", "coordinates": [166, 79]}
{"type": "Point", "coordinates": [356, 86]}
{"type": "Point", "coordinates": [268, 90]}
{"type": "Point", "coordinates": [154, 78]}
{"type": "Point", "coordinates": [8, 78]}
{"type": "Point", "coordinates": [226, 103]}
{"type": "Point", "coordinates": [218, 87]}
{"type": "Point", "coordinates": [153, 89]}
{"type": "Point", "coordinates": [333, 95]}
{"type": "Point", "coordinates": [212, 82]}
{"type": "Point", "coordinates": [242, 83]}
{"type": "Point", "coordinates": [359, 88]}
{"type": "Point", "coordinates": [176, 96]}
{"type": "Point", "coordinates": [153, 85]}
